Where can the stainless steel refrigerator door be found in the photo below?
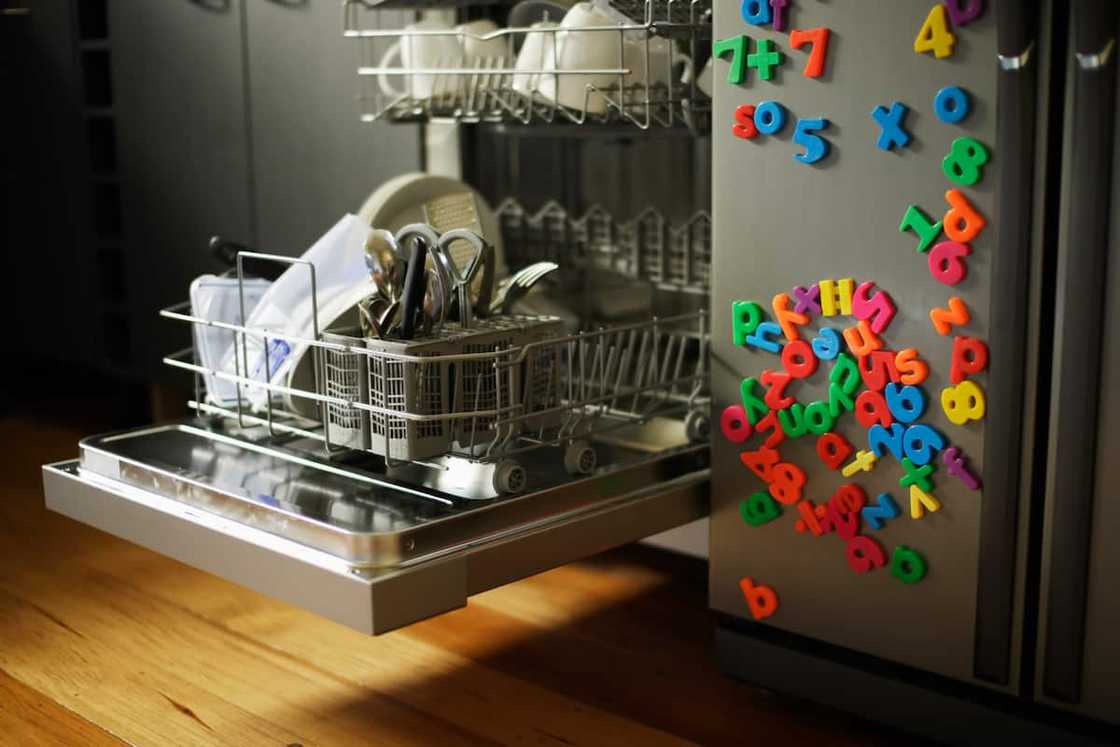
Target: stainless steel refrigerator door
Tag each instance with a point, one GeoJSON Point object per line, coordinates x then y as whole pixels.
{"type": "Point", "coordinates": [1079, 645]}
{"type": "Point", "coordinates": [778, 224]}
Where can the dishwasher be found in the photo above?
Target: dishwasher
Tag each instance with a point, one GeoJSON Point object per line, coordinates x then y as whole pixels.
{"type": "Point", "coordinates": [391, 479]}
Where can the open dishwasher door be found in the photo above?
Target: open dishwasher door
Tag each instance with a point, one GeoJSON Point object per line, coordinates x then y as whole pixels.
{"type": "Point", "coordinates": [365, 549]}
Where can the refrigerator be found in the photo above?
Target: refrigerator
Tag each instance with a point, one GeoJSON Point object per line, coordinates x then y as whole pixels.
{"type": "Point", "coordinates": [913, 223]}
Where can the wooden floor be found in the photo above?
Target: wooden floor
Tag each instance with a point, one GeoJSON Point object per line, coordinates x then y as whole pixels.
{"type": "Point", "coordinates": [102, 642]}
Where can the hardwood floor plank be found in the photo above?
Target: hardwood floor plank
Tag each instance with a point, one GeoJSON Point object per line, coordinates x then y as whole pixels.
{"type": "Point", "coordinates": [29, 718]}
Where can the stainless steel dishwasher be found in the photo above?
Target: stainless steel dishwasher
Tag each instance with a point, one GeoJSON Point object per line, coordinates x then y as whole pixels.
{"type": "Point", "coordinates": [392, 482]}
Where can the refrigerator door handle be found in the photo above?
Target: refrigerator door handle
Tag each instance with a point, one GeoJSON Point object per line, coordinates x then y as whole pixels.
{"type": "Point", "coordinates": [1011, 260]}
{"type": "Point", "coordinates": [1080, 321]}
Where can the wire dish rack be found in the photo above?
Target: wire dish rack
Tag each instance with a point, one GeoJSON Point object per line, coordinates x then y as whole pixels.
{"type": "Point", "coordinates": [648, 247]}
{"type": "Point", "coordinates": [504, 386]}
{"type": "Point", "coordinates": [639, 69]}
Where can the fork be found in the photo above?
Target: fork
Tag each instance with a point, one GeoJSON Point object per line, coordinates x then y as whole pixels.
{"type": "Point", "coordinates": [512, 289]}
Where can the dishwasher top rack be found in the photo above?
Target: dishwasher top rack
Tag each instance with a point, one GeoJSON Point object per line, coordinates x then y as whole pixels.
{"type": "Point", "coordinates": [643, 71]}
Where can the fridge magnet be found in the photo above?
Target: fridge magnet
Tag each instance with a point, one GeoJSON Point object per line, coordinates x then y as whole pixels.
{"type": "Point", "coordinates": [807, 300]}
{"type": "Point", "coordinates": [877, 515]}
{"type": "Point", "coordinates": [839, 401]}
{"type": "Point", "coordinates": [845, 373]}
{"type": "Point", "coordinates": [864, 462]}
{"type": "Point", "coordinates": [878, 310]}
{"type": "Point", "coordinates": [844, 523]}
{"type": "Point", "coordinates": [920, 442]}
{"type": "Point", "coordinates": [745, 318]}
{"type": "Point", "coordinates": [833, 449]}
{"type": "Point", "coordinates": [760, 461]}
{"type": "Point", "coordinates": [911, 368]}
{"type": "Point", "coordinates": [793, 420]}
{"type": "Point", "coordinates": [963, 12]}
{"type": "Point", "coordinates": [759, 509]}
{"type": "Point", "coordinates": [871, 409]}
{"type": "Point", "coordinates": [907, 565]}
{"type": "Point", "coordinates": [921, 501]}
{"type": "Point", "coordinates": [788, 320]}
{"type": "Point", "coordinates": [951, 104]}
{"type": "Point", "coordinates": [805, 135]}
{"type": "Point", "coordinates": [818, 38]}
{"type": "Point", "coordinates": [946, 262]}
{"type": "Point", "coordinates": [836, 296]}
{"type": "Point", "coordinates": [962, 221]}
{"type": "Point", "coordinates": [970, 356]}
{"type": "Point", "coordinates": [818, 419]}
{"type": "Point", "coordinates": [879, 437]}
{"type": "Point", "coordinates": [778, 10]}
{"type": "Point", "coordinates": [761, 600]}
{"type": "Point", "coordinates": [770, 423]}
{"type": "Point", "coordinates": [878, 368]}
{"type": "Point", "coordinates": [798, 359]}
{"type": "Point", "coordinates": [916, 476]}
{"type": "Point", "coordinates": [955, 465]}
{"type": "Point", "coordinates": [826, 345]}
{"type": "Point", "coordinates": [963, 402]}
{"type": "Point", "coordinates": [861, 340]}
{"type": "Point", "coordinates": [891, 132]}
{"type": "Point", "coordinates": [814, 519]}
{"type": "Point", "coordinates": [734, 424]}
{"type": "Point", "coordinates": [776, 383]}
{"type": "Point", "coordinates": [770, 117]}
{"type": "Point", "coordinates": [864, 554]}
{"type": "Point", "coordinates": [935, 36]}
{"type": "Point", "coordinates": [744, 122]}
{"type": "Point", "coordinates": [917, 221]}
{"type": "Point", "coordinates": [755, 12]}
{"type": "Point", "coordinates": [786, 481]}
{"type": "Point", "coordinates": [955, 313]}
{"type": "Point", "coordinates": [754, 405]}
{"type": "Point", "coordinates": [763, 337]}
{"type": "Point", "coordinates": [849, 498]}
{"type": "Point", "coordinates": [963, 164]}
{"type": "Point", "coordinates": [765, 58]}
{"type": "Point", "coordinates": [906, 403]}
{"type": "Point", "coordinates": [736, 46]}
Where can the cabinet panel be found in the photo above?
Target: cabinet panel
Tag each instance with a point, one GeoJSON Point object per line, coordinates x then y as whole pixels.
{"type": "Point", "coordinates": [313, 159]}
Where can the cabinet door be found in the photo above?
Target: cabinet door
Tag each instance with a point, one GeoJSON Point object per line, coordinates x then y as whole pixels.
{"type": "Point", "coordinates": [180, 101]}
{"type": "Point", "coordinates": [313, 159]}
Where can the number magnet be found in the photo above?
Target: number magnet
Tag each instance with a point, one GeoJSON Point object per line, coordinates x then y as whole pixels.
{"type": "Point", "coordinates": [734, 424]}
{"type": "Point", "coordinates": [826, 345]}
{"type": "Point", "coordinates": [878, 368]}
{"type": "Point", "coordinates": [776, 383]}
{"type": "Point", "coordinates": [871, 408]}
{"type": "Point", "coordinates": [934, 36]}
{"type": "Point", "coordinates": [944, 319]}
{"type": "Point", "coordinates": [907, 566]}
{"type": "Point", "coordinates": [963, 402]}
{"type": "Point", "coordinates": [761, 462]}
{"type": "Point", "coordinates": [963, 164]}
{"type": "Point", "coordinates": [816, 147]}
{"type": "Point", "coordinates": [920, 442]}
{"type": "Point", "coordinates": [879, 438]}
{"type": "Point", "coordinates": [759, 509]}
{"type": "Point", "coordinates": [875, 516]}
{"type": "Point", "coordinates": [946, 262]}
{"type": "Point", "coordinates": [951, 104]}
{"type": "Point", "coordinates": [736, 46]}
{"type": "Point", "coordinates": [864, 553]}
{"type": "Point", "coordinates": [785, 483]}
{"type": "Point", "coordinates": [818, 37]}
{"type": "Point", "coordinates": [744, 123]}
{"type": "Point", "coordinates": [921, 501]}
{"type": "Point", "coordinates": [864, 462]}
{"type": "Point", "coordinates": [761, 600]}
{"type": "Point", "coordinates": [906, 403]}
{"type": "Point", "coordinates": [912, 369]}
{"type": "Point", "coordinates": [918, 222]}
{"type": "Point", "coordinates": [962, 221]}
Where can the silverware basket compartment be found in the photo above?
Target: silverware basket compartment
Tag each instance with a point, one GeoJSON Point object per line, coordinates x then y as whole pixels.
{"type": "Point", "coordinates": [637, 66]}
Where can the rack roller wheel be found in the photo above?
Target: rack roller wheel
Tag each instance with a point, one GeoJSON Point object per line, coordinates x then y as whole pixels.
{"type": "Point", "coordinates": [580, 458]}
{"type": "Point", "coordinates": [509, 477]}
{"type": "Point", "coordinates": [697, 426]}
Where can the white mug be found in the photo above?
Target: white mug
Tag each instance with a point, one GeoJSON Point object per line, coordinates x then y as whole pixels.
{"type": "Point", "coordinates": [538, 52]}
{"type": "Point", "coordinates": [482, 54]}
{"type": "Point", "coordinates": [421, 51]}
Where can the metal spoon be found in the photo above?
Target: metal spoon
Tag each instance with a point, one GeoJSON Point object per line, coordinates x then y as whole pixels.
{"type": "Point", "coordinates": [386, 266]}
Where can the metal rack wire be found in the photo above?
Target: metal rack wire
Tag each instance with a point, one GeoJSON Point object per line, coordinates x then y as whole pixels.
{"type": "Point", "coordinates": [642, 86]}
